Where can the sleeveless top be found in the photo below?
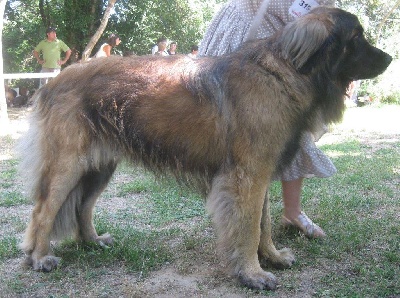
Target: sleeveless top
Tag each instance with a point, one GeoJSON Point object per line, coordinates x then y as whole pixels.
{"type": "Point", "coordinates": [101, 52]}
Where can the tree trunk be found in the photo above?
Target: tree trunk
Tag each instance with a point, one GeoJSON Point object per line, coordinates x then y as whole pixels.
{"type": "Point", "coordinates": [43, 15]}
{"type": "Point", "coordinates": [384, 19]}
{"type": "Point", "coordinates": [99, 32]}
{"type": "Point", "coordinates": [4, 121]}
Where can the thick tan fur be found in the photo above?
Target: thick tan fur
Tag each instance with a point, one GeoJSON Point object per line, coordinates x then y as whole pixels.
{"type": "Point", "coordinates": [223, 125]}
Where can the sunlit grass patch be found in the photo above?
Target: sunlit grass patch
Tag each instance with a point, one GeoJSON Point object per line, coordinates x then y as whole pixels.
{"type": "Point", "coordinates": [12, 198]}
{"type": "Point", "coordinates": [8, 247]}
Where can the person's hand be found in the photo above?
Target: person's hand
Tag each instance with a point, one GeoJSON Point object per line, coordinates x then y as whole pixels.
{"type": "Point", "coordinates": [41, 61]}
{"type": "Point", "coordinates": [61, 62]}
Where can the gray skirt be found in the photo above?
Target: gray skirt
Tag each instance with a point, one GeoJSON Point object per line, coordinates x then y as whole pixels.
{"type": "Point", "coordinates": [308, 162]}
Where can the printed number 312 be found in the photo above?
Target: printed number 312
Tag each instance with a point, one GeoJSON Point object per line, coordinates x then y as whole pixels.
{"type": "Point", "coordinates": [305, 5]}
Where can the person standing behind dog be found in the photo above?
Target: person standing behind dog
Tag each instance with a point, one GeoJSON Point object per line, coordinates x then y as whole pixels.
{"type": "Point", "coordinates": [154, 49]}
{"type": "Point", "coordinates": [241, 20]}
{"type": "Point", "coordinates": [194, 50]}
{"type": "Point", "coordinates": [105, 49]}
{"type": "Point", "coordinates": [161, 49]}
{"type": "Point", "coordinates": [50, 49]}
{"type": "Point", "coordinates": [172, 48]}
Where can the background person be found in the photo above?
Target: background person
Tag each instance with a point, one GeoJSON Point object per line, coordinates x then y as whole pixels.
{"type": "Point", "coordinates": [172, 48]}
{"type": "Point", "coordinates": [50, 50]}
{"type": "Point", "coordinates": [162, 49]}
{"type": "Point", "coordinates": [105, 49]}
{"type": "Point", "coordinates": [154, 49]}
{"type": "Point", "coordinates": [194, 50]}
{"type": "Point", "coordinates": [238, 21]}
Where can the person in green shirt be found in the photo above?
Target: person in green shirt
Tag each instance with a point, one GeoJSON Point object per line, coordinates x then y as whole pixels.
{"type": "Point", "coordinates": [48, 53]}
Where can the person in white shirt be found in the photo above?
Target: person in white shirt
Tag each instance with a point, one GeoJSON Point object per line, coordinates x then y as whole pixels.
{"type": "Point", "coordinates": [105, 49]}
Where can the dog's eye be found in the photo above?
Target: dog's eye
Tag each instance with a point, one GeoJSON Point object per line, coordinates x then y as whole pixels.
{"type": "Point", "coordinates": [358, 34]}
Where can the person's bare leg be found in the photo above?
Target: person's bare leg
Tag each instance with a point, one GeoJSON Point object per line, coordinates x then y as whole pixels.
{"type": "Point", "coordinates": [291, 192]}
{"type": "Point", "coordinates": [292, 214]}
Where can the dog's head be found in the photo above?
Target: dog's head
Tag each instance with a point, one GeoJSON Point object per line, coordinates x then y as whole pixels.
{"type": "Point", "coordinates": [334, 39]}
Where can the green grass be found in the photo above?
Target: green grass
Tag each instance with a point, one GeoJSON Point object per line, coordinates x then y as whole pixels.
{"type": "Point", "coordinates": [10, 195]}
{"type": "Point", "coordinates": [12, 198]}
{"type": "Point", "coordinates": [8, 174]}
{"type": "Point", "coordinates": [138, 251]}
{"type": "Point", "coordinates": [138, 185]}
{"type": "Point", "coordinates": [165, 201]}
{"type": "Point", "coordinates": [359, 209]}
{"type": "Point", "coordinates": [8, 247]}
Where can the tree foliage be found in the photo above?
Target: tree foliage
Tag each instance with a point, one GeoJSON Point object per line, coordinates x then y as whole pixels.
{"type": "Point", "coordinates": [4, 121]}
{"type": "Point", "coordinates": [26, 23]}
{"type": "Point", "coordinates": [380, 19]}
{"type": "Point", "coordinates": [138, 22]}
{"type": "Point", "coordinates": [103, 24]}
{"type": "Point", "coordinates": [141, 23]}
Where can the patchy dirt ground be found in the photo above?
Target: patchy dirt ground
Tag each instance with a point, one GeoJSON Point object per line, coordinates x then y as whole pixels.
{"type": "Point", "coordinates": [195, 273]}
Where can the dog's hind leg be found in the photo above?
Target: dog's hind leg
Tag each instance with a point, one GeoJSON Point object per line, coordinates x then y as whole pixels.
{"type": "Point", "coordinates": [279, 258]}
{"type": "Point", "coordinates": [236, 203]}
{"type": "Point", "coordinates": [94, 182]}
{"type": "Point", "coordinates": [55, 189]}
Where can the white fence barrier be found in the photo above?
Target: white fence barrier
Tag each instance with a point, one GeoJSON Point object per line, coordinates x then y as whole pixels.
{"type": "Point", "coordinates": [33, 75]}
{"type": "Point", "coordinates": [14, 76]}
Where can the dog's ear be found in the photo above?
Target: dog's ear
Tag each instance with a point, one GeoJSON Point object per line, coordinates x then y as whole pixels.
{"type": "Point", "coordinates": [301, 39]}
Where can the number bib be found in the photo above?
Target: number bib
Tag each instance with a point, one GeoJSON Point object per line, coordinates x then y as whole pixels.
{"type": "Point", "coordinates": [301, 7]}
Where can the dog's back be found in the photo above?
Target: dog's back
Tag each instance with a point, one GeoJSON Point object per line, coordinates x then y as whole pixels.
{"type": "Point", "coordinates": [122, 107]}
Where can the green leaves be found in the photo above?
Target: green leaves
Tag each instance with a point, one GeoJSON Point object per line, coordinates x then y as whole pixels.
{"type": "Point", "coordinates": [138, 22]}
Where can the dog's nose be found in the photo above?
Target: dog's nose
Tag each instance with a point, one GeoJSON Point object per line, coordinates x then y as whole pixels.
{"type": "Point", "coordinates": [388, 59]}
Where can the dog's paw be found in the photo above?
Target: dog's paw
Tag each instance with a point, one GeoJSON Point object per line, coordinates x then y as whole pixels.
{"type": "Point", "coordinates": [104, 240]}
{"type": "Point", "coordinates": [46, 264]}
{"type": "Point", "coordinates": [280, 259]}
{"type": "Point", "coordinates": [260, 280]}
{"type": "Point", "coordinates": [285, 259]}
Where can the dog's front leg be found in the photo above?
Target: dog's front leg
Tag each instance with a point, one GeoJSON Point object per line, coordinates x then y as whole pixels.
{"type": "Point", "coordinates": [236, 202]}
{"type": "Point", "coordinates": [279, 258]}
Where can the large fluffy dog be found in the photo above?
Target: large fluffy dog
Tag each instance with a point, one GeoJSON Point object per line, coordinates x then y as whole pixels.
{"type": "Point", "coordinates": [224, 123]}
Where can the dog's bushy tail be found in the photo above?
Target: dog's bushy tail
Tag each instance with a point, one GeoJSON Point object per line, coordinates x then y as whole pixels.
{"type": "Point", "coordinates": [32, 165]}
